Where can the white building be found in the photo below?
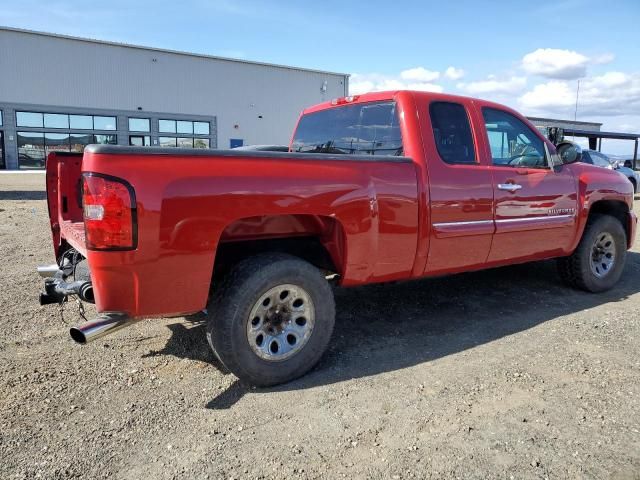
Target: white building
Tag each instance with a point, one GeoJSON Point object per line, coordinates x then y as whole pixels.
{"type": "Point", "coordinates": [61, 93]}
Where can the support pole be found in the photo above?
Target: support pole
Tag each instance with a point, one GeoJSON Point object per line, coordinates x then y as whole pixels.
{"type": "Point", "coordinates": [635, 154]}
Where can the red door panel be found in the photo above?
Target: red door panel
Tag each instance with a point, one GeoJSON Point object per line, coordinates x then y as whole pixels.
{"type": "Point", "coordinates": [460, 188]}
{"type": "Point", "coordinates": [536, 220]}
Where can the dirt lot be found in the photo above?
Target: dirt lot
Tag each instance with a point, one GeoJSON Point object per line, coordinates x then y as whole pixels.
{"type": "Point", "coordinates": [497, 374]}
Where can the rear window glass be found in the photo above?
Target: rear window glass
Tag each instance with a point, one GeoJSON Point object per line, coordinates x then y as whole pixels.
{"type": "Point", "coordinates": [361, 129]}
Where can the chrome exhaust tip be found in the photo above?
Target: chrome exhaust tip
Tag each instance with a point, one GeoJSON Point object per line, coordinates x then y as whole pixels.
{"type": "Point", "coordinates": [48, 271]}
{"type": "Point", "coordinates": [105, 324]}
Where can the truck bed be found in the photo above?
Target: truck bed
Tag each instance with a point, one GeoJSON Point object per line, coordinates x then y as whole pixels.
{"type": "Point", "coordinates": [364, 210]}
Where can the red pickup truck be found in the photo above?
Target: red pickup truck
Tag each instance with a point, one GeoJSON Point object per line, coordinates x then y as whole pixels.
{"type": "Point", "coordinates": [375, 188]}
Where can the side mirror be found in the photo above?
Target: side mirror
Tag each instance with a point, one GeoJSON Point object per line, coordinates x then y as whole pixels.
{"type": "Point", "coordinates": [569, 152]}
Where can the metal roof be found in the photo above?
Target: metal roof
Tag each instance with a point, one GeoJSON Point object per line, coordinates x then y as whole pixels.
{"type": "Point", "coordinates": [600, 134]}
{"type": "Point", "coordinates": [166, 50]}
{"type": "Point", "coordinates": [577, 122]}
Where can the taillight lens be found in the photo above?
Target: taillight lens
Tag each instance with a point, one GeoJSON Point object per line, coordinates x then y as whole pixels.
{"type": "Point", "coordinates": [109, 206]}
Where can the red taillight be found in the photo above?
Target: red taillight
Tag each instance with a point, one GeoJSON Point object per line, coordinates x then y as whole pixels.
{"type": "Point", "coordinates": [109, 207]}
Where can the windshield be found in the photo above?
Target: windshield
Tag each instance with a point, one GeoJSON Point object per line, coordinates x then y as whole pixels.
{"type": "Point", "coordinates": [363, 129]}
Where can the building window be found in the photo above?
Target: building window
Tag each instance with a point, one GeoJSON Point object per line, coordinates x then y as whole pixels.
{"type": "Point", "coordinates": [78, 141]}
{"type": "Point", "coordinates": [62, 120]}
{"type": "Point", "coordinates": [167, 141]}
{"type": "Point", "coordinates": [105, 139]}
{"type": "Point", "coordinates": [185, 142]}
{"type": "Point", "coordinates": [201, 128]}
{"type": "Point", "coordinates": [139, 125]}
{"type": "Point", "coordinates": [34, 147]}
{"type": "Point", "coordinates": [167, 126]}
{"type": "Point", "coordinates": [30, 150]}
{"type": "Point", "coordinates": [140, 140]}
{"type": "Point", "coordinates": [0, 118]}
{"type": "Point", "coordinates": [29, 119]}
{"type": "Point", "coordinates": [81, 122]}
{"type": "Point", "coordinates": [184, 128]}
{"type": "Point", "coordinates": [56, 120]}
{"type": "Point", "coordinates": [104, 123]}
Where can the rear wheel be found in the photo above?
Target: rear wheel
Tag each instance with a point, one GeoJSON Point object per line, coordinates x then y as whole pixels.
{"type": "Point", "coordinates": [598, 261]}
{"type": "Point", "coordinates": [271, 319]}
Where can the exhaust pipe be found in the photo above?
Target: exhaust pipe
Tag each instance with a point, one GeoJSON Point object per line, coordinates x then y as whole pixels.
{"type": "Point", "coordinates": [48, 271]}
{"type": "Point", "coordinates": [105, 324]}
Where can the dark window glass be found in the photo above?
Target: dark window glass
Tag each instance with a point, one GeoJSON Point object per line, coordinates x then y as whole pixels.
{"type": "Point", "coordinates": [185, 142]}
{"type": "Point", "coordinates": [140, 140]}
{"type": "Point", "coordinates": [452, 132]}
{"type": "Point", "coordinates": [139, 125]}
{"type": "Point", "coordinates": [167, 141]}
{"type": "Point", "coordinates": [586, 158]}
{"type": "Point", "coordinates": [184, 127]}
{"type": "Point", "coordinates": [29, 119]}
{"type": "Point", "coordinates": [80, 140]}
{"type": "Point", "coordinates": [167, 126]}
{"type": "Point", "coordinates": [200, 143]}
{"type": "Point", "coordinates": [105, 139]}
{"type": "Point", "coordinates": [81, 122]}
{"type": "Point", "coordinates": [56, 142]}
{"type": "Point", "coordinates": [56, 120]}
{"type": "Point", "coordinates": [0, 120]}
{"type": "Point", "coordinates": [365, 129]}
{"type": "Point", "coordinates": [104, 123]}
{"type": "Point", "coordinates": [30, 150]}
{"type": "Point", "coordinates": [600, 160]}
{"type": "Point", "coordinates": [523, 147]}
{"type": "Point", "coordinates": [201, 128]}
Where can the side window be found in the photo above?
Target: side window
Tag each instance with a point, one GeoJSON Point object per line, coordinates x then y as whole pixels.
{"type": "Point", "coordinates": [586, 158]}
{"type": "Point", "coordinates": [512, 142]}
{"type": "Point", "coordinates": [452, 132]}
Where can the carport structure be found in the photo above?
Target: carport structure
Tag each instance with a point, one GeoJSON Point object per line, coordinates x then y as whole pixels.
{"type": "Point", "coordinates": [595, 139]}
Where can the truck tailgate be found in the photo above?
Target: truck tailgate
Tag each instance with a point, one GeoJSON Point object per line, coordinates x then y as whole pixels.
{"type": "Point", "coordinates": [64, 201]}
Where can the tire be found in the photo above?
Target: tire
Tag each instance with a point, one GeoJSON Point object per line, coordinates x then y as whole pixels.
{"type": "Point", "coordinates": [576, 270]}
{"type": "Point", "coordinates": [240, 299]}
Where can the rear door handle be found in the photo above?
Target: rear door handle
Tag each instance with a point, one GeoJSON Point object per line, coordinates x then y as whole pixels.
{"type": "Point", "coordinates": [509, 187]}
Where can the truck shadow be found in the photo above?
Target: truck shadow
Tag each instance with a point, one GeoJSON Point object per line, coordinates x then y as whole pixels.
{"type": "Point", "coordinates": [381, 328]}
{"type": "Point", "coordinates": [23, 195]}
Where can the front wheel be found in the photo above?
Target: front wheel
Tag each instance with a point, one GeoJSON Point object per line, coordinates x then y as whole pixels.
{"type": "Point", "coordinates": [598, 261]}
{"type": "Point", "coordinates": [271, 319]}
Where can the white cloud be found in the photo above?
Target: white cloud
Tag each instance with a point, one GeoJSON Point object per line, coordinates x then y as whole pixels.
{"type": "Point", "coordinates": [560, 64]}
{"type": "Point", "coordinates": [613, 93]}
{"type": "Point", "coordinates": [454, 73]}
{"type": "Point", "coordinates": [494, 86]}
{"type": "Point", "coordinates": [375, 82]}
{"type": "Point", "coordinates": [419, 74]}
{"type": "Point", "coordinates": [604, 58]}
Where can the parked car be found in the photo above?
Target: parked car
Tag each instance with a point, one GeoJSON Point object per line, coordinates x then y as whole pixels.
{"type": "Point", "coordinates": [601, 160]}
{"type": "Point", "coordinates": [377, 187]}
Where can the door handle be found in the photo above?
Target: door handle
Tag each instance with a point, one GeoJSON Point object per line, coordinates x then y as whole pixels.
{"type": "Point", "coordinates": [509, 187]}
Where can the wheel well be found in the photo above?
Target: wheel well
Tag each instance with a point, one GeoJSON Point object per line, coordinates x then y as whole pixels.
{"type": "Point", "coordinates": [308, 248]}
{"type": "Point", "coordinates": [615, 208]}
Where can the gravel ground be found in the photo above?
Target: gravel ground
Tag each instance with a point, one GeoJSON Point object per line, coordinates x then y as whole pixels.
{"type": "Point", "coordinates": [497, 374]}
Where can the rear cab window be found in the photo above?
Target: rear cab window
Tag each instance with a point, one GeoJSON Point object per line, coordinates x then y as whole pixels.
{"type": "Point", "coordinates": [359, 129]}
